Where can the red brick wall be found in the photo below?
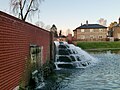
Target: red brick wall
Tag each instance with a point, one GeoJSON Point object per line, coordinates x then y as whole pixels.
{"type": "Point", "coordinates": [15, 39]}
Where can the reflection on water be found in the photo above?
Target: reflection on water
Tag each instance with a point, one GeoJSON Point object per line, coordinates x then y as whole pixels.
{"type": "Point", "coordinates": [105, 75]}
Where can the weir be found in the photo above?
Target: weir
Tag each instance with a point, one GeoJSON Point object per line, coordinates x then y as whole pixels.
{"type": "Point", "coordinates": [71, 56]}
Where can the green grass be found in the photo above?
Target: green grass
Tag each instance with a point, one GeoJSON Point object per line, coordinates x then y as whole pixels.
{"type": "Point", "coordinates": [98, 45]}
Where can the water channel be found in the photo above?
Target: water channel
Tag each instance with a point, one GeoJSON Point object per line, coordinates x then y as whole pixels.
{"type": "Point", "coordinates": [105, 75]}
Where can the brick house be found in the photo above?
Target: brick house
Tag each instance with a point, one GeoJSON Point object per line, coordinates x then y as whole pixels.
{"type": "Point", "coordinates": [23, 48]}
{"type": "Point", "coordinates": [90, 32]}
{"type": "Point", "coordinates": [116, 31]}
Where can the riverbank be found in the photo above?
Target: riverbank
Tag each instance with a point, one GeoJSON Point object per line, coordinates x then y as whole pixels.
{"type": "Point", "coordinates": [112, 50]}
{"type": "Point", "coordinates": [94, 46]}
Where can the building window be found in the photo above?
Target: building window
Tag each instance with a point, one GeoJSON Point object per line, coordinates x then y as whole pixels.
{"type": "Point", "coordinates": [82, 30]}
{"type": "Point", "coordinates": [82, 37]}
{"type": "Point", "coordinates": [100, 36]}
{"type": "Point", "coordinates": [101, 30]}
{"type": "Point", "coordinates": [91, 36]}
{"type": "Point", "coordinates": [35, 54]}
{"type": "Point", "coordinates": [91, 30]}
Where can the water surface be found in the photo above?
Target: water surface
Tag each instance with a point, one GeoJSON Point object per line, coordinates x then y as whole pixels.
{"type": "Point", "coordinates": [105, 75]}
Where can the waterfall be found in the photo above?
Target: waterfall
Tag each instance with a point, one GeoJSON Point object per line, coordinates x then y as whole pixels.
{"type": "Point", "coordinates": [71, 56]}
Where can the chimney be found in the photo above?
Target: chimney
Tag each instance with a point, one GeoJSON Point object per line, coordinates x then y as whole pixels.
{"type": "Point", "coordinates": [81, 24]}
{"type": "Point", "coordinates": [87, 22]}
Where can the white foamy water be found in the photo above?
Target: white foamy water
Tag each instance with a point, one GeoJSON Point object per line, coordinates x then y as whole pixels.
{"type": "Point", "coordinates": [71, 56]}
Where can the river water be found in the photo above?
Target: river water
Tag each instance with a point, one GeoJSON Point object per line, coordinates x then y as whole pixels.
{"type": "Point", "coordinates": [105, 75]}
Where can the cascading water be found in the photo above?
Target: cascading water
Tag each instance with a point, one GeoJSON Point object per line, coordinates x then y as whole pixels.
{"type": "Point", "coordinates": [70, 56]}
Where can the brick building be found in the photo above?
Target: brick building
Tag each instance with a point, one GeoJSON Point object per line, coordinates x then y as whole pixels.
{"type": "Point", "coordinates": [90, 32]}
{"type": "Point", "coordinates": [21, 45]}
{"type": "Point", "coordinates": [116, 31]}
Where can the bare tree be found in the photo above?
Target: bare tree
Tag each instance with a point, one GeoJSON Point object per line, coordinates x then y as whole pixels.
{"type": "Point", "coordinates": [102, 21]}
{"type": "Point", "coordinates": [40, 24]}
{"type": "Point", "coordinates": [23, 8]}
{"type": "Point", "coordinates": [68, 31]}
{"type": "Point", "coordinates": [48, 27]}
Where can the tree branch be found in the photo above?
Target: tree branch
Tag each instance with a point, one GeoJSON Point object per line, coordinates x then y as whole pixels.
{"type": "Point", "coordinates": [24, 4]}
{"type": "Point", "coordinates": [21, 9]}
{"type": "Point", "coordinates": [33, 9]}
{"type": "Point", "coordinates": [28, 10]}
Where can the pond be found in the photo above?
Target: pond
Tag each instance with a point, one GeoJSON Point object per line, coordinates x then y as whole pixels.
{"type": "Point", "coordinates": [105, 75]}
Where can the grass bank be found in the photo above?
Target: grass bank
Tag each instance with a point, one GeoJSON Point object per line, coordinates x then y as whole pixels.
{"type": "Point", "coordinates": [98, 45]}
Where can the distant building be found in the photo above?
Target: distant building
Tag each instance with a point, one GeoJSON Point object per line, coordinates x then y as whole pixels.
{"type": "Point", "coordinates": [116, 31]}
{"type": "Point", "coordinates": [90, 32]}
{"type": "Point", "coordinates": [69, 38]}
{"type": "Point", "coordinates": [62, 38]}
{"type": "Point", "coordinates": [54, 30]}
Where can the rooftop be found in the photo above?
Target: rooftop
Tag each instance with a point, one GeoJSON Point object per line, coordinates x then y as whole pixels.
{"type": "Point", "coordinates": [90, 26]}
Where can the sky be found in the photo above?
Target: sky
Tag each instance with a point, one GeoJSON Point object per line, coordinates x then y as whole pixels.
{"type": "Point", "coordinates": [69, 14]}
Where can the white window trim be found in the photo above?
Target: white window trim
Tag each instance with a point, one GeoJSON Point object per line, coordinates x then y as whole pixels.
{"type": "Point", "coordinates": [82, 30]}
{"type": "Point", "coordinates": [91, 30]}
